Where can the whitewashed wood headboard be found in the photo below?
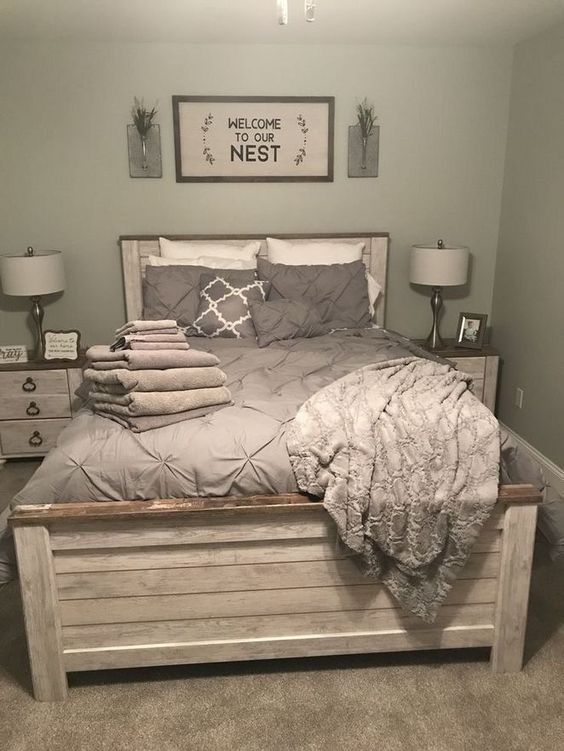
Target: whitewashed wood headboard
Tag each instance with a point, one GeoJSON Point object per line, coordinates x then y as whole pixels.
{"type": "Point", "coordinates": [136, 248]}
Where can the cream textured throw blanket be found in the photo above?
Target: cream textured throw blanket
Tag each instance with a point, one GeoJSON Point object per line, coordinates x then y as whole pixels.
{"type": "Point", "coordinates": [407, 462]}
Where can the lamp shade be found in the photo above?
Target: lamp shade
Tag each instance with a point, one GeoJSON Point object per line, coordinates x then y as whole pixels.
{"type": "Point", "coordinates": [445, 266]}
{"type": "Point", "coordinates": [32, 275]}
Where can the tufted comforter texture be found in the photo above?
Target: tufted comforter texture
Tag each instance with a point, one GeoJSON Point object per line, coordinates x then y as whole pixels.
{"type": "Point", "coordinates": [239, 450]}
{"type": "Point", "coordinates": [406, 460]}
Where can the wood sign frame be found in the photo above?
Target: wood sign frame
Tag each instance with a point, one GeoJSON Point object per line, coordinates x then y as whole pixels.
{"type": "Point", "coordinates": [253, 139]}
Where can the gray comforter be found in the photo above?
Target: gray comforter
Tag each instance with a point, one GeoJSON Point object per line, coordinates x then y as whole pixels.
{"type": "Point", "coordinates": [239, 450]}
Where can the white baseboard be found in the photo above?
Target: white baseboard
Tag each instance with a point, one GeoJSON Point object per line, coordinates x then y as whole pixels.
{"type": "Point", "coordinates": [553, 474]}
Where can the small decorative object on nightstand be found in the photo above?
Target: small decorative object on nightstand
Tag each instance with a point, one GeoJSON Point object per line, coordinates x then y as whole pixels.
{"type": "Point", "coordinates": [471, 330]}
{"type": "Point", "coordinates": [62, 345]}
{"type": "Point", "coordinates": [437, 267]}
{"type": "Point", "coordinates": [36, 402]}
{"type": "Point", "coordinates": [33, 275]}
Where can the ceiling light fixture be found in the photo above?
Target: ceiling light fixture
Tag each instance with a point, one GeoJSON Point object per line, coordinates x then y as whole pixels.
{"type": "Point", "coordinates": [309, 10]}
{"type": "Point", "coordinates": [282, 8]}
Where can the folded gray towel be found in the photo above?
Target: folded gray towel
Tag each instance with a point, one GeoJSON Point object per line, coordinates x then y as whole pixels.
{"type": "Point", "coordinates": [167, 336]}
{"type": "Point", "coordinates": [102, 358]}
{"type": "Point", "coordinates": [133, 327]}
{"type": "Point", "coordinates": [121, 381]}
{"type": "Point", "coordinates": [159, 402]}
{"type": "Point", "coordinates": [151, 422]}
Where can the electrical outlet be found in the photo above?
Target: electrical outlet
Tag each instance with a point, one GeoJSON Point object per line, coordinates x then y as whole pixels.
{"type": "Point", "coordinates": [519, 394]}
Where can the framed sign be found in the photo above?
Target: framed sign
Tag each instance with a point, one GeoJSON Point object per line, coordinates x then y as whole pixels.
{"type": "Point", "coordinates": [61, 345]}
{"type": "Point", "coordinates": [11, 353]}
{"type": "Point", "coordinates": [253, 139]}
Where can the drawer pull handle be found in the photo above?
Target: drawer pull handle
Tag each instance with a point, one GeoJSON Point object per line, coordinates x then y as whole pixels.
{"type": "Point", "coordinates": [32, 410]}
{"type": "Point", "coordinates": [29, 384]}
{"type": "Point", "coordinates": [36, 439]}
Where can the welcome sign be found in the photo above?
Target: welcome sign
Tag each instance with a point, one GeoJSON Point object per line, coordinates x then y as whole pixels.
{"type": "Point", "coordinates": [240, 139]}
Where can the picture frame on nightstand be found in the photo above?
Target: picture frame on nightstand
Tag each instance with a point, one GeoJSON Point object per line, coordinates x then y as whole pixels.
{"type": "Point", "coordinates": [471, 330]}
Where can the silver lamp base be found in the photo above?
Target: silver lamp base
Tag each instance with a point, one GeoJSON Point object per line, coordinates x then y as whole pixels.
{"type": "Point", "coordinates": [37, 315]}
{"type": "Point", "coordinates": [434, 340]}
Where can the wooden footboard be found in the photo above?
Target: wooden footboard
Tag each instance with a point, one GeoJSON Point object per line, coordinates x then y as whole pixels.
{"type": "Point", "coordinates": [110, 585]}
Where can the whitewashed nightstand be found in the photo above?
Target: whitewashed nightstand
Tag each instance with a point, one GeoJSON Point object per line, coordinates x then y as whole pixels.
{"type": "Point", "coordinates": [482, 364]}
{"type": "Point", "coordinates": [36, 402]}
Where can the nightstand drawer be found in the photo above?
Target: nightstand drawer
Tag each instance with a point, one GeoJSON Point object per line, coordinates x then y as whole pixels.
{"type": "Point", "coordinates": [474, 366]}
{"type": "Point", "coordinates": [34, 382]}
{"type": "Point", "coordinates": [30, 406]}
{"type": "Point", "coordinates": [29, 436]}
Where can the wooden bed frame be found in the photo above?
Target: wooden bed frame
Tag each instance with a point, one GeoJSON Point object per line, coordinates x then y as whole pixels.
{"type": "Point", "coordinates": [131, 584]}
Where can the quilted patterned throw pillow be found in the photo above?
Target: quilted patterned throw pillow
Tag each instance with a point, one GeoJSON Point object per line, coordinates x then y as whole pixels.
{"type": "Point", "coordinates": [174, 291]}
{"type": "Point", "coordinates": [224, 307]}
{"type": "Point", "coordinates": [276, 320]}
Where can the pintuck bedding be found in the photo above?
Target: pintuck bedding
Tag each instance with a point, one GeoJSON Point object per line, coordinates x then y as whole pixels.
{"type": "Point", "coordinates": [239, 450]}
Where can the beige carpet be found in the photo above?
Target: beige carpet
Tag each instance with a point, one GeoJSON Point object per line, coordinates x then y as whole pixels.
{"type": "Point", "coordinates": [426, 701]}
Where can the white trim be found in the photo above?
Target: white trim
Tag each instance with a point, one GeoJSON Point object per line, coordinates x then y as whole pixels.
{"type": "Point", "coordinates": [553, 474]}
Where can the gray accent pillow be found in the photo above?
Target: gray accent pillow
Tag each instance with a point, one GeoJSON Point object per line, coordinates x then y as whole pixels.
{"type": "Point", "coordinates": [224, 307]}
{"type": "Point", "coordinates": [174, 291]}
{"type": "Point", "coordinates": [275, 320]}
{"type": "Point", "coordinates": [339, 290]}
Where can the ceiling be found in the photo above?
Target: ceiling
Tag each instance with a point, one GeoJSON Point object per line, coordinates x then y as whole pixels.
{"type": "Point", "coordinates": [451, 22]}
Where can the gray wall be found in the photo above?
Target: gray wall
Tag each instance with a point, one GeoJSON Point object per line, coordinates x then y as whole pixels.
{"type": "Point", "coordinates": [65, 181]}
{"type": "Point", "coordinates": [528, 309]}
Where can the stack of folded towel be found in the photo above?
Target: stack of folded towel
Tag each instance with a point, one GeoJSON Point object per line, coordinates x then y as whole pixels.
{"type": "Point", "coordinates": [149, 377]}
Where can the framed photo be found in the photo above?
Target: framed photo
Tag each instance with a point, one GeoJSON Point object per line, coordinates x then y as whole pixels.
{"type": "Point", "coordinates": [253, 139]}
{"type": "Point", "coordinates": [61, 345]}
{"type": "Point", "coordinates": [471, 330]}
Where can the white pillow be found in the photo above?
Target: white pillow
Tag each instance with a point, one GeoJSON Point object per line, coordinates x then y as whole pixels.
{"type": "Point", "coordinates": [312, 252]}
{"type": "Point", "coordinates": [212, 262]}
{"type": "Point", "coordinates": [195, 249]}
{"type": "Point", "coordinates": [374, 290]}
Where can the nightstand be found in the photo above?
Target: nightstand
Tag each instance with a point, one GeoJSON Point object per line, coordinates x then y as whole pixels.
{"type": "Point", "coordinates": [36, 402]}
{"type": "Point", "coordinates": [482, 364]}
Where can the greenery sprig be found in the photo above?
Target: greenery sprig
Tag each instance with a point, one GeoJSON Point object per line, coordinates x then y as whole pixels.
{"type": "Point", "coordinates": [142, 117]}
{"type": "Point", "coordinates": [366, 118]}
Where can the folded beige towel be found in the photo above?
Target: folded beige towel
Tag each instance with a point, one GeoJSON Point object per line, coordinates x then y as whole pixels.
{"type": "Point", "coordinates": [125, 342]}
{"type": "Point", "coordinates": [102, 352]}
{"type": "Point", "coordinates": [160, 402]}
{"type": "Point", "coordinates": [133, 327]}
{"type": "Point", "coordinates": [174, 379]}
{"type": "Point", "coordinates": [102, 358]}
{"type": "Point", "coordinates": [159, 345]}
{"type": "Point", "coordinates": [150, 422]}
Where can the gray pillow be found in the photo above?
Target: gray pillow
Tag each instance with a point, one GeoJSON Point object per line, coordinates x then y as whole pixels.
{"type": "Point", "coordinates": [174, 291]}
{"type": "Point", "coordinates": [339, 290]}
{"type": "Point", "coordinates": [224, 307]}
{"type": "Point", "coordinates": [276, 320]}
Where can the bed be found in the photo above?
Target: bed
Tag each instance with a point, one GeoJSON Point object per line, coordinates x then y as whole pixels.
{"type": "Point", "coordinates": [212, 577]}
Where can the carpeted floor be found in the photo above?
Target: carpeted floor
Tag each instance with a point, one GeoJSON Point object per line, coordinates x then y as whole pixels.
{"type": "Point", "coordinates": [426, 701]}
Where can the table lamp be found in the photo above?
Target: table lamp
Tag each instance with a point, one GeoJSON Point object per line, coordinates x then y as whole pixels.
{"type": "Point", "coordinates": [32, 275]}
{"type": "Point", "coordinates": [438, 266]}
